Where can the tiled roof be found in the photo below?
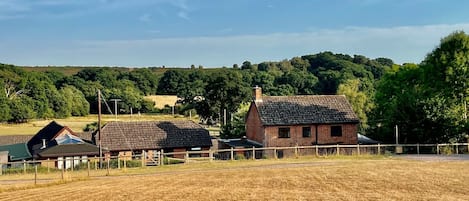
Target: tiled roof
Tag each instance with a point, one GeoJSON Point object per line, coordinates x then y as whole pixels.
{"type": "Point", "coordinates": [87, 136]}
{"type": "Point", "coordinates": [118, 136]}
{"type": "Point", "coordinates": [311, 109]}
{"type": "Point", "coordinates": [70, 150]}
{"type": "Point", "coordinates": [47, 133]}
{"type": "Point", "coordinates": [14, 139]}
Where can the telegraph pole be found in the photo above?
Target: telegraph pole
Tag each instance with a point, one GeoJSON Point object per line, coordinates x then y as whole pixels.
{"type": "Point", "coordinates": [397, 134]}
{"type": "Point", "coordinates": [99, 131]}
{"type": "Point", "coordinates": [115, 105]}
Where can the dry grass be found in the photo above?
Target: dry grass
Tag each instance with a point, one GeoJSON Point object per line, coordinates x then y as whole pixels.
{"type": "Point", "coordinates": [162, 100]}
{"type": "Point", "coordinates": [78, 123]}
{"type": "Point", "coordinates": [320, 179]}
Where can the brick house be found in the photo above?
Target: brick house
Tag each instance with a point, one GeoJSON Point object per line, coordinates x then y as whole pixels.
{"type": "Point", "coordinates": [127, 138]}
{"type": "Point", "coordinates": [287, 121]}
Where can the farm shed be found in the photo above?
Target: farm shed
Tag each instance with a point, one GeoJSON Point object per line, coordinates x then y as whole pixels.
{"type": "Point", "coordinates": [16, 152]}
{"type": "Point", "coordinates": [126, 138]}
{"type": "Point", "coordinates": [61, 144]}
{"type": "Point", "coordinates": [287, 121]}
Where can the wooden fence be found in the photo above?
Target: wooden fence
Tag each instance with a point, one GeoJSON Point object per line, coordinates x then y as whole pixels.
{"type": "Point", "coordinates": [159, 158]}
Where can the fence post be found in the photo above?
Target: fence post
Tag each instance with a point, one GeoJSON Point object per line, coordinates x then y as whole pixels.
{"type": "Point", "coordinates": [35, 174]}
{"type": "Point", "coordinates": [95, 163]}
{"type": "Point", "coordinates": [118, 162]}
{"type": "Point", "coordinates": [143, 158]}
{"type": "Point", "coordinates": [48, 163]}
{"type": "Point", "coordinates": [457, 149]}
{"type": "Point", "coordinates": [24, 166]}
{"type": "Point", "coordinates": [379, 149]}
{"type": "Point", "coordinates": [317, 151]}
{"type": "Point", "coordinates": [418, 149]}
{"type": "Point", "coordinates": [1, 169]}
{"type": "Point", "coordinates": [72, 162]}
{"type": "Point", "coordinates": [88, 166]}
{"type": "Point", "coordinates": [162, 157]}
{"type": "Point", "coordinates": [63, 171]}
{"type": "Point", "coordinates": [437, 149]}
{"type": "Point", "coordinates": [275, 153]}
{"type": "Point", "coordinates": [125, 163]}
{"type": "Point", "coordinates": [296, 151]}
{"type": "Point", "coordinates": [253, 153]}
{"type": "Point", "coordinates": [108, 166]}
{"type": "Point", "coordinates": [358, 149]}
{"type": "Point", "coordinates": [186, 157]}
{"type": "Point", "coordinates": [338, 150]}
{"type": "Point", "coordinates": [231, 154]}
{"type": "Point", "coordinates": [210, 154]}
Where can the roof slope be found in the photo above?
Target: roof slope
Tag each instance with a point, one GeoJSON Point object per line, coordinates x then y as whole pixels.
{"type": "Point", "coordinates": [70, 150]}
{"type": "Point", "coordinates": [312, 109]}
{"type": "Point", "coordinates": [153, 135]}
{"type": "Point", "coordinates": [14, 139]}
{"type": "Point", "coordinates": [17, 151]}
{"type": "Point", "coordinates": [48, 133]}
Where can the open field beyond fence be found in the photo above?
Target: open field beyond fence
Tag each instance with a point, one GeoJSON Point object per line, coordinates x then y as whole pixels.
{"type": "Point", "coordinates": [78, 123]}
{"type": "Point", "coordinates": [305, 178]}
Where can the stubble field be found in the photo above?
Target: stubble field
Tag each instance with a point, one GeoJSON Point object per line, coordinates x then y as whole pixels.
{"type": "Point", "coordinates": [316, 179]}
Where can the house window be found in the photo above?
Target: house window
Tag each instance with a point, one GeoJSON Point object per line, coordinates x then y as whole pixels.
{"type": "Point", "coordinates": [283, 132]}
{"type": "Point", "coordinates": [306, 131]}
{"type": "Point", "coordinates": [192, 155]}
{"type": "Point", "coordinates": [336, 131]}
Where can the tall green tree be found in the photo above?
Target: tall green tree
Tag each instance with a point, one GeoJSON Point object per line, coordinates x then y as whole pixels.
{"type": "Point", "coordinates": [360, 101]}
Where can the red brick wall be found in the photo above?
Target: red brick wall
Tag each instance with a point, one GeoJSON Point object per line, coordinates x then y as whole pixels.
{"type": "Point", "coordinates": [181, 155]}
{"type": "Point", "coordinates": [254, 128]}
{"type": "Point", "coordinates": [349, 136]}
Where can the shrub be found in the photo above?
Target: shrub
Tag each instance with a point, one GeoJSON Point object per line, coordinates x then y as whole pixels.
{"type": "Point", "coordinates": [240, 157]}
{"type": "Point", "coordinates": [448, 149]}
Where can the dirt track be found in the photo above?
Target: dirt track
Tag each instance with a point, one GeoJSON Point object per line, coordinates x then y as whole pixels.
{"type": "Point", "coordinates": [434, 157]}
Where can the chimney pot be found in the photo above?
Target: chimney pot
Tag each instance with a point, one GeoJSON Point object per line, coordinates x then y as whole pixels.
{"type": "Point", "coordinates": [44, 144]}
{"type": "Point", "coordinates": [257, 94]}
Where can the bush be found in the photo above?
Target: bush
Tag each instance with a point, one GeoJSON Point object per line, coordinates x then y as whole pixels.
{"type": "Point", "coordinates": [448, 149]}
{"type": "Point", "coordinates": [168, 161]}
{"type": "Point", "coordinates": [240, 157]}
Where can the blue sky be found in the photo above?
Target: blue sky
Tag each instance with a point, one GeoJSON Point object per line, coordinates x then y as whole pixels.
{"type": "Point", "coordinates": [215, 33]}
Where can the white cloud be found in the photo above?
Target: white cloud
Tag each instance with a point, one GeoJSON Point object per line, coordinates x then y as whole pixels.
{"type": "Point", "coordinates": [402, 44]}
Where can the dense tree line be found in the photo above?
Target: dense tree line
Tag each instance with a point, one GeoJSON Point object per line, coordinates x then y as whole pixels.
{"type": "Point", "coordinates": [28, 95]}
{"type": "Point", "coordinates": [428, 102]}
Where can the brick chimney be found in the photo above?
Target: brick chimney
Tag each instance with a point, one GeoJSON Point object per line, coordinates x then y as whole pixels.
{"type": "Point", "coordinates": [257, 94]}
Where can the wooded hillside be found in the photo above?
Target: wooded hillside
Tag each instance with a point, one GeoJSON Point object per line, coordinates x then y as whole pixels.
{"type": "Point", "coordinates": [427, 101]}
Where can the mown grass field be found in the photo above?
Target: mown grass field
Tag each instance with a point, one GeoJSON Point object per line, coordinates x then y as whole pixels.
{"type": "Point", "coordinates": [78, 123]}
{"type": "Point", "coordinates": [345, 178]}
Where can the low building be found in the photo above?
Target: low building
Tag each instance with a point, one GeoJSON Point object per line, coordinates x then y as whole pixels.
{"type": "Point", "coordinates": [287, 121]}
{"type": "Point", "coordinates": [61, 146]}
{"type": "Point", "coordinates": [128, 138]}
{"type": "Point", "coordinates": [16, 152]}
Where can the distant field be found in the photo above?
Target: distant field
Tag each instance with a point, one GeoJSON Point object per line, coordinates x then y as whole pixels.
{"type": "Point", "coordinates": [162, 100]}
{"type": "Point", "coordinates": [72, 70]}
{"type": "Point", "coordinates": [78, 123]}
{"type": "Point", "coordinates": [314, 179]}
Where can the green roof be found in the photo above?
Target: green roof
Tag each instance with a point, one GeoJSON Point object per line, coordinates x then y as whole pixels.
{"type": "Point", "coordinates": [17, 151]}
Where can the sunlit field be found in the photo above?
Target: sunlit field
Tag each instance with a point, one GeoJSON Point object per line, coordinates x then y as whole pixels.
{"type": "Point", "coordinates": [78, 123]}
{"type": "Point", "coordinates": [344, 178]}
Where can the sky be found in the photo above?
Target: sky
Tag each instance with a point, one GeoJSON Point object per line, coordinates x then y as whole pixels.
{"type": "Point", "coordinates": [216, 33]}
